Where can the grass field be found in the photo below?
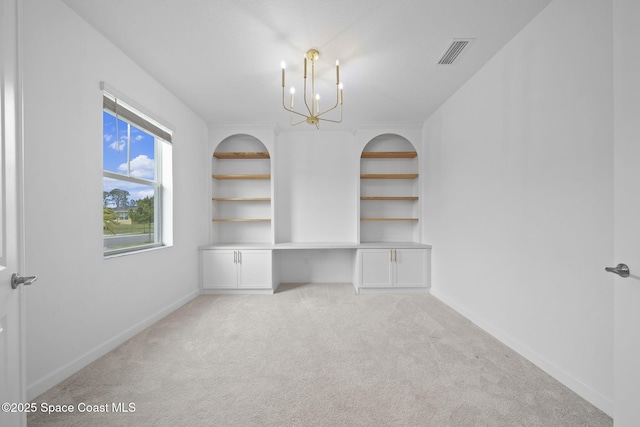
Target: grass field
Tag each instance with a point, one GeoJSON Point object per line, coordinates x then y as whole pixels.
{"type": "Point", "coordinates": [130, 229]}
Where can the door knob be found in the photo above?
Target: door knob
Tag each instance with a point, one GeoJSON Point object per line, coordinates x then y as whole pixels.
{"type": "Point", "coordinates": [621, 270]}
{"type": "Point", "coordinates": [16, 280]}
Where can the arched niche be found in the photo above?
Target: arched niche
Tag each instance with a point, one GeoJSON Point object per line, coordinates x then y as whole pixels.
{"type": "Point", "coordinates": [389, 190]}
{"type": "Point", "coordinates": [241, 142]}
{"type": "Point", "coordinates": [389, 142]}
{"type": "Point", "coordinates": [241, 191]}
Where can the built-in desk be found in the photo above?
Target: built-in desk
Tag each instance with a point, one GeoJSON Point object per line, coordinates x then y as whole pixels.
{"type": "Point", "coordinates": [377, 267]}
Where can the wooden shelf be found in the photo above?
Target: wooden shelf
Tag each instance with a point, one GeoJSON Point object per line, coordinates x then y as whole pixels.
{"type": "Point", "coordinates": [241, 193]}
{"type": "Point", "coordinates": [384, 203]}
{"type": "Point", "coordinates": [242, 220]}
{"type": "Point", "coordinates": [388, 176]}
{"type": "Point", "coordinates": [241, 199]}
{"type": "Point", "coordinates": [388, 154]}
{"type": "Point", "coordinates": [242, 155]}
{"type": "Point", "coordinates": [389, 198]}
{"type": "Point", "coordinates": [388, 219]}
{"type": "Point", "coordinates": [244, 176]}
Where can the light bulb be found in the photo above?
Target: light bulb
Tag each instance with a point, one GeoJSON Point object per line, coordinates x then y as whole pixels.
{"type": "Point", "coordinates": [283, 65]}
{"type": "Point", "coordinates": [292, 90]}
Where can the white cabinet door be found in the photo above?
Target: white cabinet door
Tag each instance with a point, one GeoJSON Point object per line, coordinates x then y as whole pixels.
{"type": "Point", "coordinates": [399, 268]}
{"type": "Point", "coordinates": [375, 268]}
{"type": "Point", "coordinates": [219, 269]}
{"type": "Point", "coordinates": [409, 268]}
{"type": "Point", "coordinates": [254, 269]}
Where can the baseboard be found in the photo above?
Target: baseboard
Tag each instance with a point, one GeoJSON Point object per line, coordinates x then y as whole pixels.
{"type": "Point", "coordinates": [237, 291]}
{"type": "Point", "coordinates": [584, 391]}
{"type": "Point", "coordinates": [36, 389]}
{"type": "Point", "coordinates": [415, 290]}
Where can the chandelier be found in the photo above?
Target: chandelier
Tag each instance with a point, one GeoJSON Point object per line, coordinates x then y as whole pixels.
{"type": "Point", "coordinates": [313, 115]}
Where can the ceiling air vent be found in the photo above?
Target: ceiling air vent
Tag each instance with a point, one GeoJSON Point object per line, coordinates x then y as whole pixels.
{"type": "Point", "coordinates": [453, 51]}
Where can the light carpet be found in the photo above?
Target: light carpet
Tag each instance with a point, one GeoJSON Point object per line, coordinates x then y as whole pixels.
{"type": "Point", "coordinates": [316, 355]}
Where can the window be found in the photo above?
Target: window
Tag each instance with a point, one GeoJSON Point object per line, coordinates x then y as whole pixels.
{"type": "Point", "coordinates": [133, 148]}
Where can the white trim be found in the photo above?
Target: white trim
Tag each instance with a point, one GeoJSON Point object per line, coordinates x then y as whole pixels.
{"type": "Point", "coordinates": [44, 384]}
{"type": "Point", "coordinates": [129, 251]}
{"type": "Point", "coordinates": [583, 390]}
{"type": "Point", "coordinates": [141, 181]}
{"type": "Point", "coordinates": [237, 291]}
{"type": "Point", "coordinates": [391, 290]}
{"type": "Point", "coordinates": [114, 94]}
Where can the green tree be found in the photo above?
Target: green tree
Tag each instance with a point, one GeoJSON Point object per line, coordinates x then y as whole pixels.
{"type": "Point", "coordinates": [144, 212]}
{"type": "Point", "coordinates": [118, 197]}
{"type": "Point", "coordinates": [109, 219]}
{"type": "Point", "coordinates": [106, 198]}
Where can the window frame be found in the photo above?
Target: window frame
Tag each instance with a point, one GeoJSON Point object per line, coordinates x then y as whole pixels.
{"type": "Point", "coordinates": [114, 105]}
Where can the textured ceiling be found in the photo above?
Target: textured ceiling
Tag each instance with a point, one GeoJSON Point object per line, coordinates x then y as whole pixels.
{"type": "Point", "coordinates": [222, 57]}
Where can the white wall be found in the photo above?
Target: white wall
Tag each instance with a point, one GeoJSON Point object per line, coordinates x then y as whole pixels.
{"type": "Point", "coordinates": [315, 266]}
{"type": "Point", "coordinates": [317, 182]}
{"type": "Point", "coordinates": [83, 305]}
{"type": "Point", "coordinates": [316, 186]}
{"type": "Point", "coordinates": [518, 200]}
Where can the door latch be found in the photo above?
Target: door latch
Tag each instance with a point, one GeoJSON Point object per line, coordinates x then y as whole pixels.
{"type": "Point", "coordinates": [16, 280]}
{"type": "Point", "coordinates": [621, 270]}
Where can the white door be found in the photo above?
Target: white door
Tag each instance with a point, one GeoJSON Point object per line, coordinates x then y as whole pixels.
{"type": "Point", "coordinates": [375, 268]}
{"type": "Point", "coordinates": [627, 212]}
{"type": "Point", "coordinates": [219, 269]}
{"type": "Point", "coordinates": [410, 266]}
{"type": "Point", "coordinates": [12, 357]}
{"type": "Point", "coordinates": [254, 269]}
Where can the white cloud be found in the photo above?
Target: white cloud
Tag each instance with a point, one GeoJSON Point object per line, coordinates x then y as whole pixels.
{"type": "Point", "coordinates": [137, 195]}
{"type": "Point", "coordinates": [118, 146]}
{"type": "Point", "coordinates": [141, 167]}
{"type": "Point", "coordinates": [136, 191]}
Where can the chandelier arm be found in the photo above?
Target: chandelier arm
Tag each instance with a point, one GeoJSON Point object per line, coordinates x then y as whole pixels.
{"type": "Point", "coordinates": [289, 109]}
{"type": "Point", "coordinates": [326, 111]}
{"type": "Point", "coordinates": [305, 104]}
{"type": "Point", "coordinates": [297, 123]}
{"type": "Point", "coordinates": [337, 102]}
{"type": "Point", "coordinates": [313, 88]}
{"type": "Point", "coordinates": [295, 112]}
{"type": "Point", "coordinates": [305, 95]}
{"type": "Point", "coordinates": [333, 121]}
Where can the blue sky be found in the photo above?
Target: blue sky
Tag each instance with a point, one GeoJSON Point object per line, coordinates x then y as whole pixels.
{"type": "Point", "coordinates": [115, 149]}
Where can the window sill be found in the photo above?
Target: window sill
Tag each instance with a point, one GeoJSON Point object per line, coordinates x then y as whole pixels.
{"type": "Point", "coordinates": [150, 248]}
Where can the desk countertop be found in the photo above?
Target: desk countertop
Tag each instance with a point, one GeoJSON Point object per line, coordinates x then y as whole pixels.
{"type": "Point", "coordinates": [318, 245]}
